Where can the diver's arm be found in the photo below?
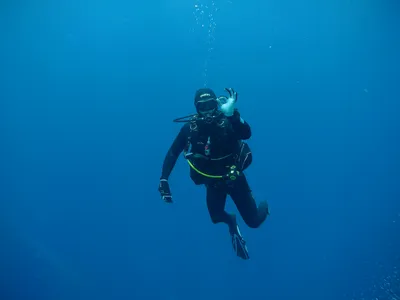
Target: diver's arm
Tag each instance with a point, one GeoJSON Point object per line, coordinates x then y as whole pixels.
{"type": "Point", "coordinates": [174, 151]}
{"type": "Point", "coordinates": [240, 127]}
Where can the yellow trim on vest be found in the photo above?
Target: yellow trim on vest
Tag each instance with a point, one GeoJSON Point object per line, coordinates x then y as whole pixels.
{"type": "Point", "coordinates": [201, 173]}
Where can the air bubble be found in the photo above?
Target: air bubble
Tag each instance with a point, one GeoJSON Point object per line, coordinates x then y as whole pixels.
{"type": "Point", "coordinates": [204, 13]}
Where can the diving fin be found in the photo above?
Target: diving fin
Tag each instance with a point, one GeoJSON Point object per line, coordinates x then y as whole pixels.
{"type": "Point", "coordinates": [239, 244]}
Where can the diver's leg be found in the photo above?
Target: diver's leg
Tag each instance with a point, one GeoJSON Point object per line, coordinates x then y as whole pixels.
{"type": "Point", "coordinates": [242, 196]}
{"type": "Point", "coordinates": [216, 199]}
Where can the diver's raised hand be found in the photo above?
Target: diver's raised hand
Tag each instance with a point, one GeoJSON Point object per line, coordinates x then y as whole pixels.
{"type": "Point", "coordinates": [229, 106]}
{"type": "Point", "coordinates": [165, 191]}
{"type": "Point", "coordinates": [232, 94]}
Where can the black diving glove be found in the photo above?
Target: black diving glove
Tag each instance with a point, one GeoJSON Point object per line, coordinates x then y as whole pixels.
{"type": "Point", "coordinates": [165, 191]}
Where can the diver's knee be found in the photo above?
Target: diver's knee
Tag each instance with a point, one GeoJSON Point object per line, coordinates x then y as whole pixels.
{"type": "Point", "coordinates": [253, 222]}
{"type": "Point", "coordinates": [216, 219]}
{"type": "Point", "coordinates": [256, 220]}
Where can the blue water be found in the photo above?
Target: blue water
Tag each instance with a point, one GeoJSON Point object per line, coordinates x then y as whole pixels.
{"type": "Point", "coordinates": [88, 91]}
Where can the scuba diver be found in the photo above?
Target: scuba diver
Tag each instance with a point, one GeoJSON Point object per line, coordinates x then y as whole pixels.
{"type": "Point", "coordinates": [212, 143]}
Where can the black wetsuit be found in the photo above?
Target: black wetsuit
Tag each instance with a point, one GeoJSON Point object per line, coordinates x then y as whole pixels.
{"type": "Point", "coordinates": [226, 142]}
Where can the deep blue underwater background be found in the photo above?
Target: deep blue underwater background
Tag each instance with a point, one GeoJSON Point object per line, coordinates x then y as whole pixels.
{"type": "Point", "coordinates": [88, 91]}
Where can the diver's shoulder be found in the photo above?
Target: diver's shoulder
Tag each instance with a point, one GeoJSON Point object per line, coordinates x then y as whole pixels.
{"type": "Point", "coordinates": [186, 126]}
{"type": "Point", "coordinates": [185, 129]}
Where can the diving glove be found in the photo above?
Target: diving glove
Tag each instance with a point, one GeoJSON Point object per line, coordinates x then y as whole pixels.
{"type": "Point", "coordinates": [165, 191]}
{"type": "Point", "coordinates": [228, 104]}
